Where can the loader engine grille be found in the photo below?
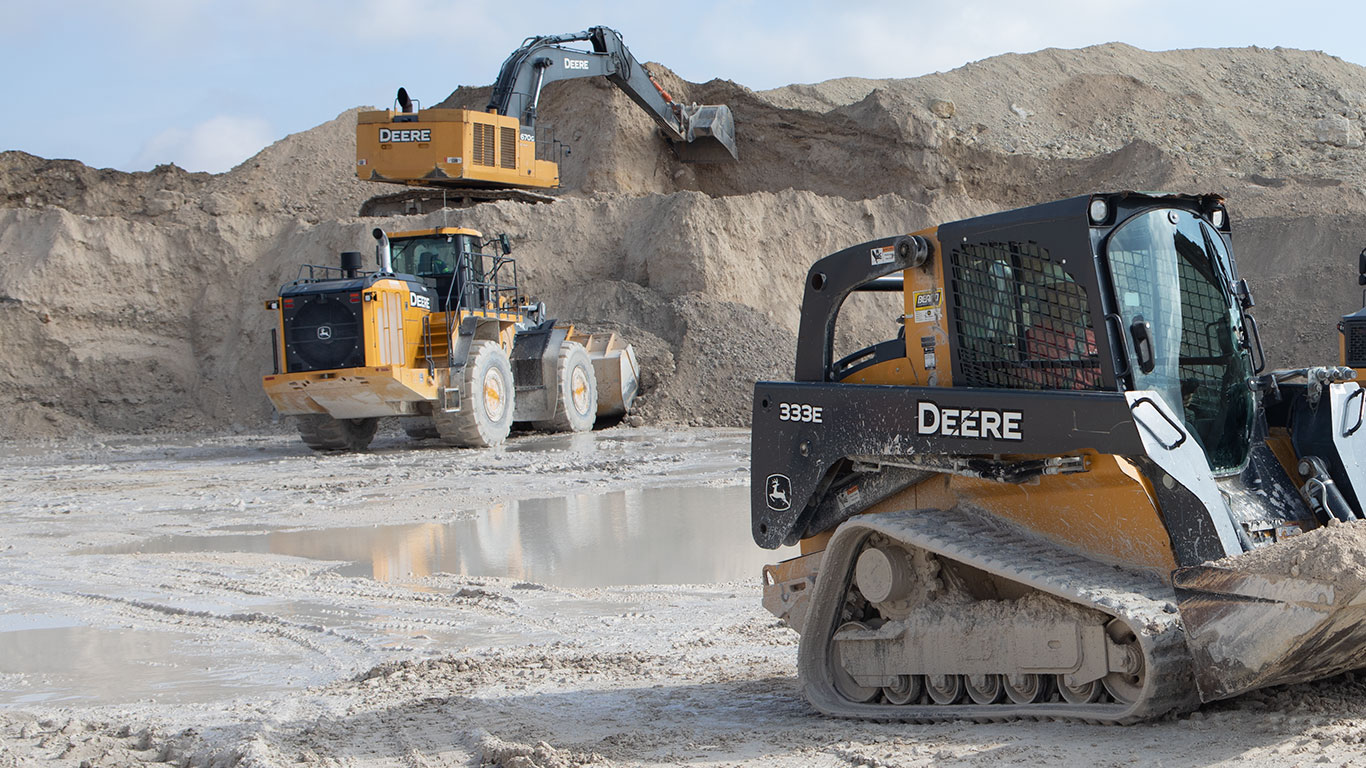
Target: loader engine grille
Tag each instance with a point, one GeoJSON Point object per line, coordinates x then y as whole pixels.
{"type": "Point", "coordinates": [1356, 344]}
{"type": "Point", "coordinates": [507, 147]}
{"type": "Point", "coordinates": [322, 332]}
{"type": "Point", "coordinates": [1022, 322]}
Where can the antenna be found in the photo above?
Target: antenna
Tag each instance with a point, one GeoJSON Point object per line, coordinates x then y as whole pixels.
{"type": "Point", "coordinates": [445, 212]}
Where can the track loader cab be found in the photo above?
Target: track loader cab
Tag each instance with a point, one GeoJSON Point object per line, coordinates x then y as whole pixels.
{"type": "Point", "coordinates": [1072, 425]}
{"type": "Point", "coordinates": [440, 336]}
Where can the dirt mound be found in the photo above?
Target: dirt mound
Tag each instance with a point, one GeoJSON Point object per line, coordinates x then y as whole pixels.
{"type": "Point", "coordinates": [1334, 554]}
{"type": "Point", "coordinates": [133, 301]}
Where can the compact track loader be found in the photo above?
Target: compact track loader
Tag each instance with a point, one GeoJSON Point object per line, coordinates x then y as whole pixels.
{"type": "Point", "coordinates": [1066, 488]}
{"type": "Point", "coordinates": [441, 337]}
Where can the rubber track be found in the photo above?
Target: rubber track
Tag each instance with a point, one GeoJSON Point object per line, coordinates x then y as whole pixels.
{"type": "Point", "coordinates": [1142, 601]}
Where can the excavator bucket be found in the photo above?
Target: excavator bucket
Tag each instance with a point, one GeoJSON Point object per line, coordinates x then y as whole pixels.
{"type": "Point", "coordinates": [710, 135]}
{"type": "Point", "coordinates": [1252, 627]}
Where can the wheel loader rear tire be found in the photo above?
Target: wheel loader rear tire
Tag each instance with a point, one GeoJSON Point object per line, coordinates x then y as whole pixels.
{"type": "Point", "coordinates": [324, 433]}
{"type": "Point", "coordinates": [576, 396]}
{"type": "Point", "coordinates": [486, 400]}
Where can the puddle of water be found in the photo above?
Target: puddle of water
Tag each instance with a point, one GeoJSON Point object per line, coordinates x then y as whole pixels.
{"type": "Point", "coordinates": [54, 664]}
{"type": "Point", "coordinates": [691, 535]}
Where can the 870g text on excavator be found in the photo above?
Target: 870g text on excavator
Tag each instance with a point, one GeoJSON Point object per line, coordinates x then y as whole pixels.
{"type": "Point", "coordinates": [1066, 489]}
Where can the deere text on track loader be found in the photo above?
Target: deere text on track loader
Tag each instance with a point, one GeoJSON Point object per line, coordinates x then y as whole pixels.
{"type": "Point", "coordinates": [1062, 490]}
{"type": "Point", "coordinates": [441, 337]}
{"type": "Point", "coordinates": [503, 152]}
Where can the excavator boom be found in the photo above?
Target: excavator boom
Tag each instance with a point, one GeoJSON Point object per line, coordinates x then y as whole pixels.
{"type": "Point", "coordinates": [697, 131]}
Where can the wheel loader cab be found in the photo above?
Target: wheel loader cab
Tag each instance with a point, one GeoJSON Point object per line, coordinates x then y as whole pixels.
{"type": "Point", "coordinates": [1073, 414]}
{"type": "Point", "coordinates": [449, 260]}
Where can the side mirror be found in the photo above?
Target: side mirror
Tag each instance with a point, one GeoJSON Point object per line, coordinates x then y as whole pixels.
{"type": "Point", "coordinates": [506, 245]}
{"type": "Point", "coordinates": [1361, 268]}
{"type": "Point", "coordinates": [1244, 293]}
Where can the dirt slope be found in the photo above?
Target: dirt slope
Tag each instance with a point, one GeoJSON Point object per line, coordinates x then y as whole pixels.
{"type": "Point", "coordinates": [133, 301]}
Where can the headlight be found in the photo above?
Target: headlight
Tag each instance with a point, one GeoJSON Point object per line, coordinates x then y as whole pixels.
{"type": "Point", "coordinates": [1099, 210]}
{"type": "Point", "coordinates": [1216, 217]}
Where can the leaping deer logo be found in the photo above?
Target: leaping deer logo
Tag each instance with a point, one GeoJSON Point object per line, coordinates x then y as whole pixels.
{"type": "Point", "coordinates": [779, 492]}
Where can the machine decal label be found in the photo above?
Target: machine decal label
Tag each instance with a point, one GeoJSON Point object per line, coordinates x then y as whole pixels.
{"type": "Point", "coordinates": [325, 332]}
{"type": "Point", "coordinates": [968, 422]}
{"type": "Point", "coordinates": [778, 491]}
{"type": "Point", "coordinates": [419, 301]}
{"type": "Point", "coordinates": [391, 136]}
{"type": "Point", "coordinates": [576, 63]}
{"type": "Point", "coordinates": [927, 309]}
{"type": "Point", "coordinates": [848, 497]}
{"type": "Point", "coordinates": [884, 255]}
{"type": "Point", "coordinates": [811, 414]}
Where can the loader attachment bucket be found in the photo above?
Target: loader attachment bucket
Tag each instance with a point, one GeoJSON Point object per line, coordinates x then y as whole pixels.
{"type": "Point", "coordinates": [616, 370]}
{"type": "Point", "coordinates": [1248, 630]}
{"type": "Point", "coordinates": [710, 136]}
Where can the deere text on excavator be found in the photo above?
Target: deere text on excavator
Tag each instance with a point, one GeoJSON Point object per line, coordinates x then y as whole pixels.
{"type": "Point", "coordinates": [505, 152]}
{"type": "Point", "coordinates": [1066, 488]}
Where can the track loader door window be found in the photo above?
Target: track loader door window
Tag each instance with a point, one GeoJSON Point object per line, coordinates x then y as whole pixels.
{"type": "Point", "coordinates": [1022, 321]}
{"type": "Point", "coordinates": [1172, 290]}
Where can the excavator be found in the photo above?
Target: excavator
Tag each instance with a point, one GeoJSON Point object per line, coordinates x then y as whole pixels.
{"type": "Point", "coordinates": [1068, 487]}
{"type": "Point", "coordinates": [466, 156]}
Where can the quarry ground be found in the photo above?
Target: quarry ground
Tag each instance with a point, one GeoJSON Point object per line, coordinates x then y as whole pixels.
{"type": "Point", "coordinates": [228, 600]}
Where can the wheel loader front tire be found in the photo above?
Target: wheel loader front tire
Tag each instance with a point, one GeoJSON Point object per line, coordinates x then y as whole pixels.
{"type": "Point", "coordinates": [486, 400]}
{"type": "Point", "coordinates": [576, 396]}
{"type": "Point", "coordinates": [324, 433]}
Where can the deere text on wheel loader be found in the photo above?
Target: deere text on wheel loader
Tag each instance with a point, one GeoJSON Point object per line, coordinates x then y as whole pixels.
{"type": "Point", "coordinates": [1066, 488]}
{"type": "Point", "coordinates": [441, 337]}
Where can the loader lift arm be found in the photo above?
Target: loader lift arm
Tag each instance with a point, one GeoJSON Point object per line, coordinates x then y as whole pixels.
{"type": "Point", "coordinates": [700, 134]}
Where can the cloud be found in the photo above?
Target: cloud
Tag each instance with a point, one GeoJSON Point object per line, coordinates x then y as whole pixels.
{"type": "Point", "coordinates": [214, 145]}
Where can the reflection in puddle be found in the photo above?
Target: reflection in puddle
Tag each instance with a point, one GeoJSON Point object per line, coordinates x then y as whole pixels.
{"type": "Point", "coordinates": [67, 663]}
{"type": "Point", "coordinates": [695, 535]}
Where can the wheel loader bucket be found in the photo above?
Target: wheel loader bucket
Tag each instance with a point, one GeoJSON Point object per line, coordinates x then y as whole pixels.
{"type": "Point", "coordinates": [617, 372]}
{"type": "Point", "coordinates": [1248, 630]}
{"type": "Point", "coordinates": [710, 135]}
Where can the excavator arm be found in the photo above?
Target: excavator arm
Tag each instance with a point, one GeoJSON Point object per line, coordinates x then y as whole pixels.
{"type": "Point", "coordinates": [699, 133]}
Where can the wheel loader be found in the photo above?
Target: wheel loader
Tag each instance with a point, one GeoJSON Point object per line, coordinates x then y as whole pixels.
{"type": "Point", "coordinates": [1067, 487]}
{"type": "Point", "coordinates": [441, 337]}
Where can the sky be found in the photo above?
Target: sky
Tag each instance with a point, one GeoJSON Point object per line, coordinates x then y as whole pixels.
{"type": "Point", "coordinates": [205, 84]}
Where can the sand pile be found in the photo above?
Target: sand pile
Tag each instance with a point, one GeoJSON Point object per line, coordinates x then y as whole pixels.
{"type": "Point", "coordinates": [133, 301]}
{"type": "Point", "coordinates": [1334, 554]}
